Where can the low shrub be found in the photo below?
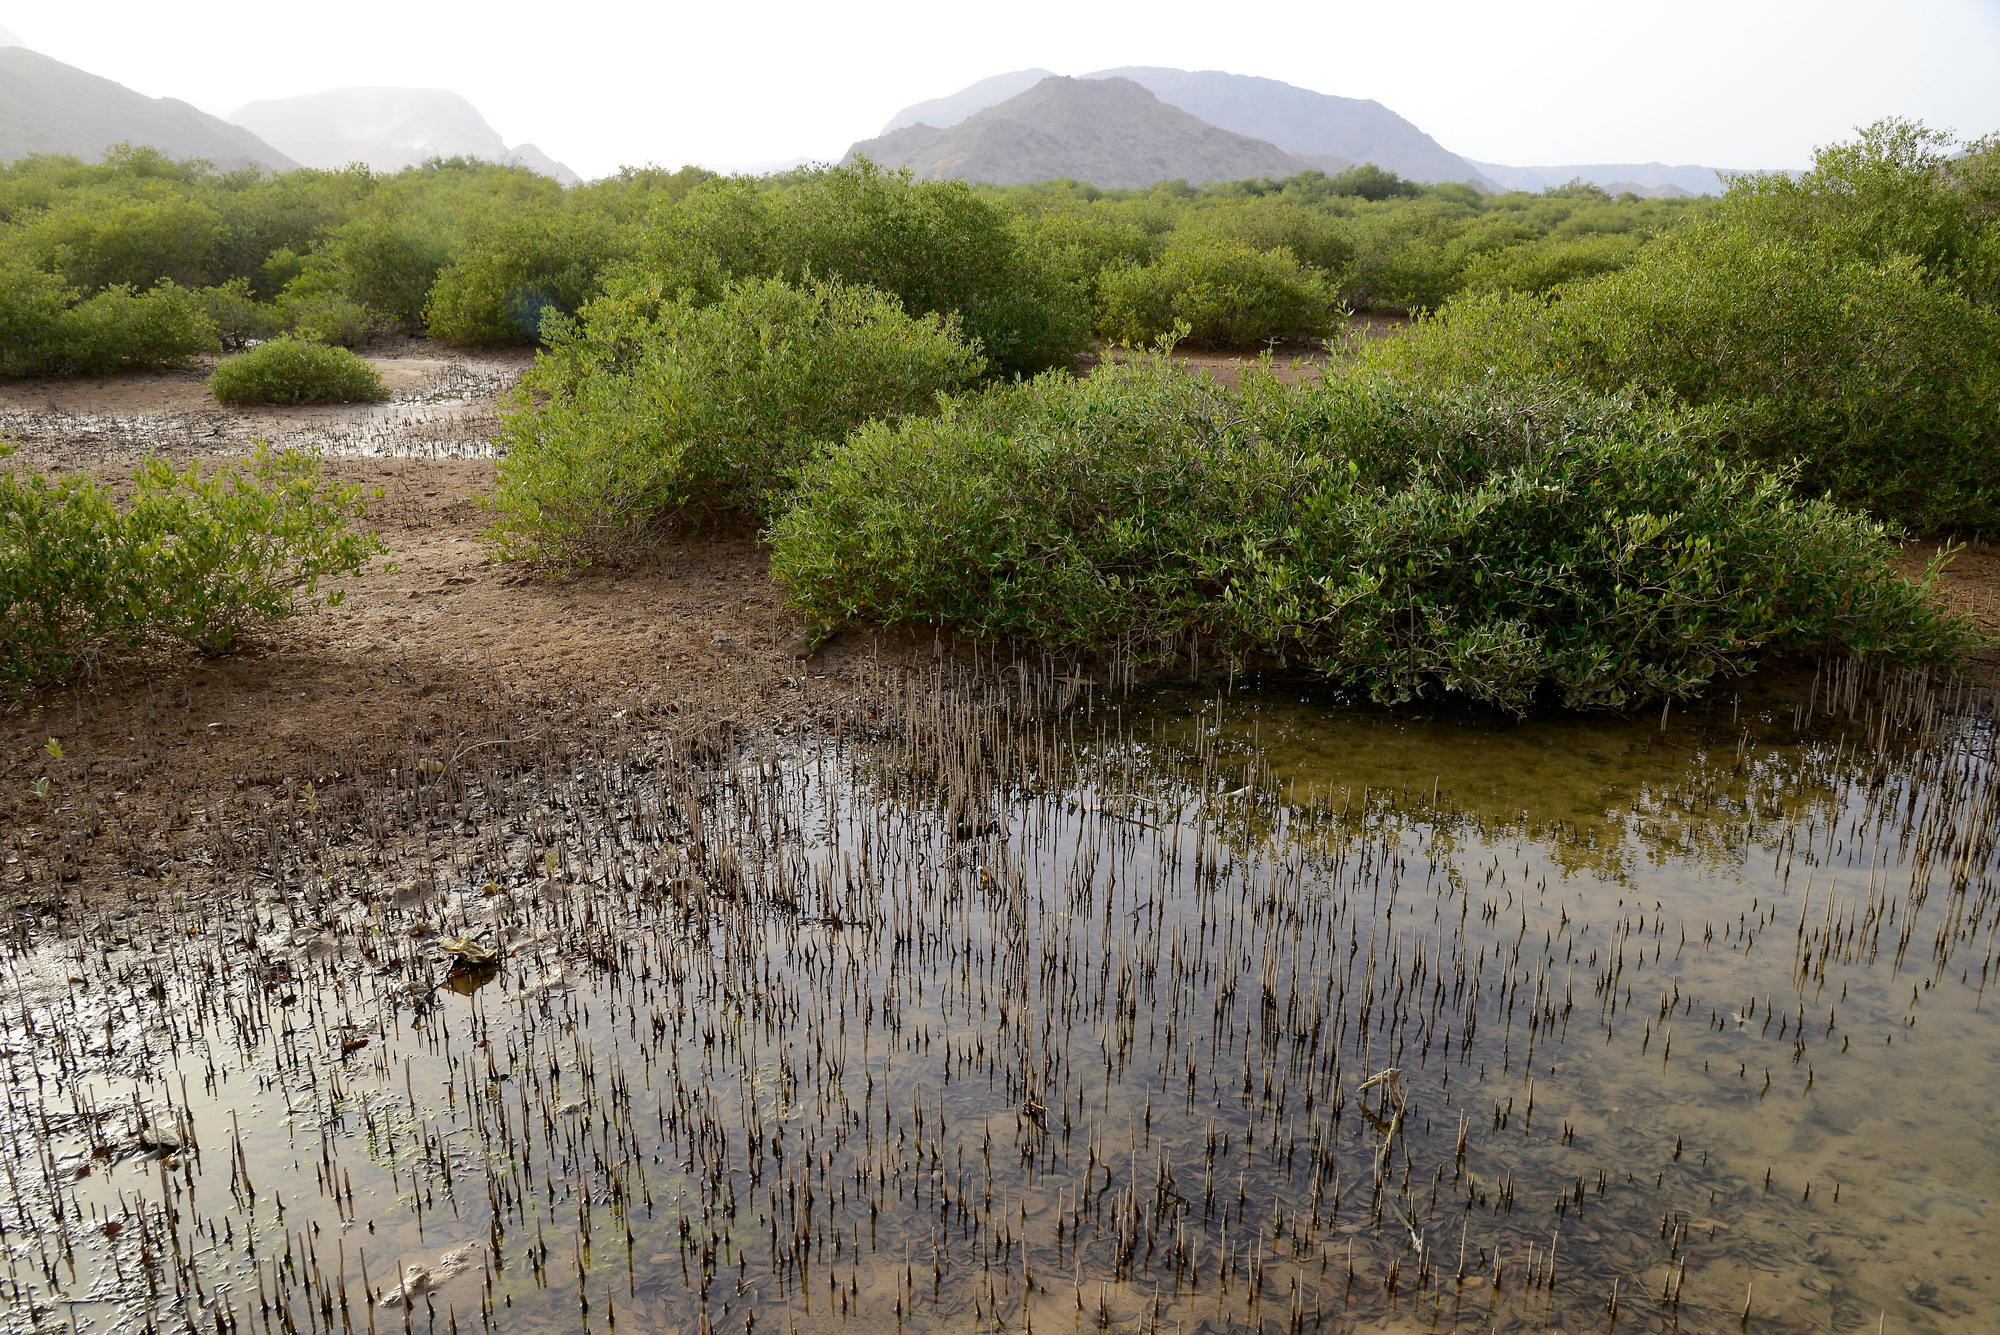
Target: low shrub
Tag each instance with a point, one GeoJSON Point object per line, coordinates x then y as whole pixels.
{"type": "Point", "coordinates": [1880, 384]}
{"type": "Point", "coordinates": [239, 318]}
{"type": "Point", "coordinates": [1225, 293]}
{"type": "Point", "coordinates": [326, 317]}
{"type": "Point", "coordinates": [1314, 237]}
{"type": "Point", "coordinates": [1407, 540]}
{"type": "Point", "coordinates": [244, 544]}
{"type": "Point", "coordinates": [1409, 260]}
{"type": "Point", "coordinates": [516, 268]}
{"type": "Point", "coordinates": [1540, 267]}
{"type": "Point", "coordinates": [192, 558]}
{"type": "Point", "coordinates": [295, 371]}
{"type": "Point", "coordinates": [939, 247]}
{"type": "Point", "coordinates": [33, 308]}
{"type": "Point", "coordinates": [72, 582]}
{"type": "Point", "coordinates": [652, 407]}
{"type": "Point", "coordinates": [44, 330]}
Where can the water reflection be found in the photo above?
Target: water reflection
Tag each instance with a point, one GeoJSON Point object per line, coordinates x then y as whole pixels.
{"type": "Point", "coordinates": [1052, 1019]}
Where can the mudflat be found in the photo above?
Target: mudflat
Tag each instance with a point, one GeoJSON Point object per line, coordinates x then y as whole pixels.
{"type": "Point", "coordinates": [693, 635]}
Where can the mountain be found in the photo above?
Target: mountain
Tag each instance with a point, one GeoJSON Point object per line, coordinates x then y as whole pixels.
{"type": "Point", "coordinates": [1668, 191]}
{"type": "Point", "coordinates": [387, 128]}
{"type": "Point", "coordinates": [1639, 177]}
{"type": "Point", "coordinates": [945, 112]}
{"type": "Point", "coordinates": [1300, 120]}
{"type": "Point", "coordinates": [527, 155]}
{"type": "Point", "coordinates": [9, 38]}
{"type": "Point", "coordinates": [49, 107]}
{"type": "Point", "coordinates": [1108, 131]}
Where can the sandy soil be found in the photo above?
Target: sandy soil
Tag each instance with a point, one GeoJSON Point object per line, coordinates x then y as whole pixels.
{"type": "Point", "coordinates": [1971, 583]}
{"type": "Point", "coordinates": [698, 633]}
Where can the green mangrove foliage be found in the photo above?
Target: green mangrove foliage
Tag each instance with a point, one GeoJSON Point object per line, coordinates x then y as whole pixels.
{"type": "Point", "coordinates": [1833, 331]}
{"type": "Point", "coordinates": [652, 408]}
{"type": "Point", "coordinates": [1220, 293]}
{"type": "Point", "coordinates": [1501, 545]}
{"type": "Point", "coordinates": [475, 253]}
{"type": "Point", "coordinates": [48, 328]}
{"type": "Point", "coordinates": [938, 246]}
{"type": "Point", "coordinates": [189, 558]}
{"type": "Point", "coordinates": [294, 371]}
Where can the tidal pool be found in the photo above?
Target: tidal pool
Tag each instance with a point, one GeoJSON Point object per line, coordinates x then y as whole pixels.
{"type": "Point", "coordinates": [1054, 1010]}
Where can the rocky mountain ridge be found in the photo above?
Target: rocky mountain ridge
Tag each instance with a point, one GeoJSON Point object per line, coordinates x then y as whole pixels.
{"type": "Point", "coordinates": [1111, 131]}
{"type": "Point", "coordinates": [49, 107]}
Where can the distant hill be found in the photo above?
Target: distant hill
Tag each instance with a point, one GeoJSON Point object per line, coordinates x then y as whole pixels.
{"type": "Point", "coordinates": [1668, 191]}
{"type": "Point", "coordinates": [945, 112]}
{"type": "Point", "coordinates": [1300, 120]}
{"type": "Point", "coordinates": [49, 107]}
{"type": "Point", "coordinates": [1638, 177]}
{"type": "Point", "coordinates": [1108, 131]}
{"type": "Point", "coordinates": [1336, 130]}
{"type": "Point", "coordinates": [387, 128]}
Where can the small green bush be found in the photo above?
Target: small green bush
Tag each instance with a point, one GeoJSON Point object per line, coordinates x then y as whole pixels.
{"type": "Point", "coordinates": [937, 245]}
{"type": "Point", "coordinates": [45, 331]}
{"type": "Point", "coordinates": [192, 558]}
{"type": "Point", "coordinates": [1540, 267]}
{"type": "Point", "coordinates": [656, 407]}
{"type": "Point", "coordinates": [1502, 546]}
{"type": "Point", "coordinates": [326, 317]}
{"type": "Point", "coordinates": [71, 579]}
{"type": "Point", "coordinates": [294, 371]}
{"type": "Point", "coordinates": [1409, 259]}
{"type": "Point", "coordinates": [515, 270]}
{"type": "Point", "coordinates": [1225, 293]}
{"type": "Point", "coordinates": [1881, 384]}
{"type": "Point", "coordinates": [387, 262]}
{"type": "Point", "coordinates": [1314, 237]}
{"type": "Point", "coordinates": [239, 318]}
{"type": "Point", "coordinates": [243, 544]}
{"type": "Point", "coordinates": [33, 308]}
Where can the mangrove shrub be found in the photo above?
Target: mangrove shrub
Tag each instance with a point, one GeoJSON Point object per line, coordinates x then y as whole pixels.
{"type": "Point", "coordinates": [1408, 540]}
{"type": "Point", "coordinates": [647, 411]}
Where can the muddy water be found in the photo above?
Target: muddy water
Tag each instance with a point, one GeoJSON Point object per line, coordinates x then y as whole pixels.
{"type": "Point", "coordinates": [1054, 1014]}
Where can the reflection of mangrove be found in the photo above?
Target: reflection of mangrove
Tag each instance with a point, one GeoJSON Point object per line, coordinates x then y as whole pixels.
{"type": "Point", "coordinates": [1031, 1009]}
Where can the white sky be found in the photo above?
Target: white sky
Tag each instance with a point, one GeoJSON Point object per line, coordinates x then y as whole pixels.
{"type": "Point", "coordinates": [597, 83]}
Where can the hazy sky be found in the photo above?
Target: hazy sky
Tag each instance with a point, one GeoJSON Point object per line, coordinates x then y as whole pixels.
{"type": "Point", "coordinates": [598, 83]}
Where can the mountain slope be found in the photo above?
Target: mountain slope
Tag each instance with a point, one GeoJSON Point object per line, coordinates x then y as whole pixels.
{"type": "Point", "coordinates": [945, 112]}
{"type": "Point", "coordinates": [1109, 131]}
{"type": "Point", "coordinates": [49, 107]}
{"type": "Point", "coordinates": [1297, 120]}
{"type": "Point", "coordinates": [1300, 120]}
{"type": "Point", "coordinates": [387, 128]}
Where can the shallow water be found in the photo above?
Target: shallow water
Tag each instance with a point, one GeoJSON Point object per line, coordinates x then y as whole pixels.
{"type": "Point", "coordinates": [1057, 1018]}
